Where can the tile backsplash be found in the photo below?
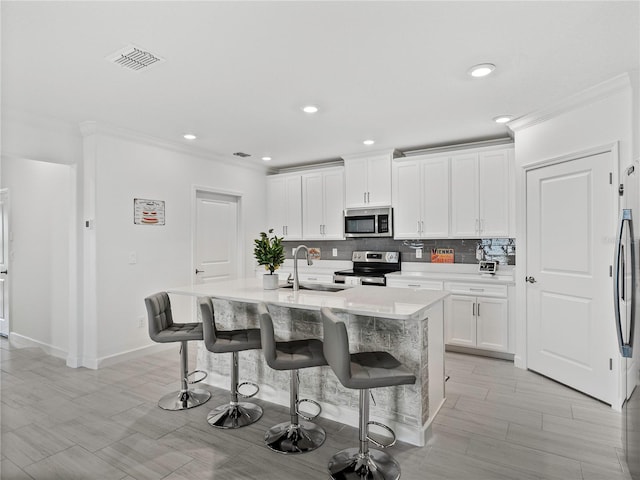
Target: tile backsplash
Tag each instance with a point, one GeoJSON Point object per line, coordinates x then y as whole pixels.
{"type": "Point", "coordinates": [501, 249]}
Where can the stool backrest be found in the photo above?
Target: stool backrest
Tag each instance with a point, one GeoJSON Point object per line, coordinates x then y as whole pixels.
{"type": "Point", "coordinates": [158, 313]}
{"type": "Point", "coordinates": [209, 330]}
{"type": "Point", "coordinates": [336, 345]}
{"type": "Point", "coordinates": [267, 335]}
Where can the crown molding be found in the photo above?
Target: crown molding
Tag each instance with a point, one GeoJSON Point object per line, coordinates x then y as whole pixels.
{"type": "Point", "coordinates": [492, 143]}
{"type": "Point", "coordinates": [92, 127]}
{"type": "Point", "coordinates": [585, 97]}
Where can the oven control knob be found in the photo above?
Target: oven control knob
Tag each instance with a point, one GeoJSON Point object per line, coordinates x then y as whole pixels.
{"type": "Point", "coordinates": [392, 257]}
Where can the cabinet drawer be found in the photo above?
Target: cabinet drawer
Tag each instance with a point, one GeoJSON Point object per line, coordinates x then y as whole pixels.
{"type": "Point", "coordinates": [477, 289]}
{"type": "Point", "coordinates": [415, 283]}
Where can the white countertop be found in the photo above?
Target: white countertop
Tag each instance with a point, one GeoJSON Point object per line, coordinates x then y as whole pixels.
{"type": "Point", "coordinates": [387, 302]}
{"type": "Point", "coordinates": [453, 272]}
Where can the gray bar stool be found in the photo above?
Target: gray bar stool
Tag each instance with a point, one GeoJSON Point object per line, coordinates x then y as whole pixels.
{"type": "Point", "coordinates": [234, 414]}
{"type": "Point", "coordinates": [362, 371]}
{"type": "Point", "coordinates": [163, 330]}
{"type": "Point", "coordinates": [294, 436]}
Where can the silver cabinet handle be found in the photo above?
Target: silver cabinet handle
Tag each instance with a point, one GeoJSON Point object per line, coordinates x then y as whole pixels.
{"type": "Point", "coordinates": [418, 228]}
{"type": "Point", "coordinates": [478, 226]}
{"type": "Point", "coordinates": [473, 309]}
{"type": "Point", "coordinates": [365, 197]}
{"type": "Point", "coordinates": [478, 309]}
{"type": "Point", "coordinates": [476, 289]}
{"type": "Point", "coordinates": [368, 197]}
{"type": "Point", "coordinates": [421, 226]}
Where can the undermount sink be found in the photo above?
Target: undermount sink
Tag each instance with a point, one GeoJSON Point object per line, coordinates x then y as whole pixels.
{"type": "Point", "coordinates": [320, 287]}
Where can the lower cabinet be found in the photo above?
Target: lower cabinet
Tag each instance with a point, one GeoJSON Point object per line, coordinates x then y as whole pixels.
{"type": "Point", "coordinates": [477, 316]}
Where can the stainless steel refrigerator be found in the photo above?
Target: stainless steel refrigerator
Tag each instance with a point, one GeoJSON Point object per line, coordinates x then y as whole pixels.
{"type": "Point", "coordinates": [625, 292]}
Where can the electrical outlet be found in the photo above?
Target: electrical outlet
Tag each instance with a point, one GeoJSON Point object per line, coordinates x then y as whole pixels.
{"type": "Point", "coordinates": [140, 322]}
{"type": "Point", "coordinates": [334, 252]}
{"type": "Point", "coordinates": [418, 253]}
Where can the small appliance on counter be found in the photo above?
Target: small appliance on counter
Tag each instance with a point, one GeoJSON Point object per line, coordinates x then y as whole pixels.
{"type": "Point", "coordinates": [369, 268]}
{"type": "Point", "coordinates": [488, 268]}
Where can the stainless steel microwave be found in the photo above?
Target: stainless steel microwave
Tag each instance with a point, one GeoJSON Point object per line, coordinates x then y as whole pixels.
{"type": "Point", "coordinates": [368, 222]}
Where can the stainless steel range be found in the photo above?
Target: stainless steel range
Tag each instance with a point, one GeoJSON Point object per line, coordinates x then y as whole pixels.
{"type": "Point", "coordinates": [369, 268]}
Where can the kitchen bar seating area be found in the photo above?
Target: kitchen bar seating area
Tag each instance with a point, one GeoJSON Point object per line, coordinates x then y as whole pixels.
{"type": "Point", "coordinates": [499, 422]}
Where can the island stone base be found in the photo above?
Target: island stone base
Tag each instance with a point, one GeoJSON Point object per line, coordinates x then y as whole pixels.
{"type": "Point", "coordinates": [408, 409]}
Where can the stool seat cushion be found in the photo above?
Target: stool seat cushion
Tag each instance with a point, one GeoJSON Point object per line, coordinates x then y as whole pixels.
{"type": "Point", "coordinates": [295, 354]}
{"type": "Point", "coordinates": [179, 332]}
{"type": "Point", "coordinates": [377, 369]}
{"type": "Point", "coordinates": [237, 340]}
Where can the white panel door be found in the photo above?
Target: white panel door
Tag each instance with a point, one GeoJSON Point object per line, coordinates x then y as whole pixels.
{"type": "Point", "coordinates": [494, 185]}
{"type": "Point", "coordinates": [461, 321]}
{"type": "Point", "coordinates": [571, 217]}
{"type": "Point", "coordinates": [216, 242]}
{"type": "Point", "coordinates": [492, 324]}
{"type": "Point", "coordinates": [464, 196]}
{"type": "Point", "coordinates": [4, 263]}
{"type": "Point", "coordinates": [406, 199]}
{"type": "Point", "coordinates": [435, 198]}
{"type": "Point", "coordinates": [333, 191]}
{"type": "Point", "coordinates": [379, 180]}
{"type": "Point", "coordinates": [312, 206]}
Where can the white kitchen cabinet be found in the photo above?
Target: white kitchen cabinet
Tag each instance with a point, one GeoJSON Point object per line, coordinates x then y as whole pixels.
{"type": "Point", "coordinates": [368, 179]}
{"type": "Point", "coordinates": [323, 204]}
{"type": "Point", "coordinates": [480, 194]}
{"type": "Point", "coordinates": [284, 205]}
{"type": "Point", "coordinates": [421, 197]}
{"type": "Point", "coordinates": [477, 316]}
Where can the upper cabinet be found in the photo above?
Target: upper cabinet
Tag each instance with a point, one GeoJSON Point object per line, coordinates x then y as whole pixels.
{"type": "Point", "coordinates": [480, 194]}
{"type": "Point", "coordinates": [421, 197]}
{"type": "Point", "coordinates": [368, 179]}
{"type": "Point", "coordinates": [284, 205]}
{"type": "Point", "coordinates": [323, 204]}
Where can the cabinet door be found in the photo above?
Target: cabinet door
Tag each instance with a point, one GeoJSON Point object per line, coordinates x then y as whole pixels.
{"type": "Point", "coordinates": [333, 224]}
{"type": "Point", "coordinates": [464, 196]}
{"type": "Point", "coordinates": [435, 198]}
{"type": "Point", "coordinates": [312, 206]}
{"type": "Point", "coordinates": [379, 180]}
{"type": "Point", "coordinates": [494, 180]}
{"type": "Point", "coordinates": [293, 207]}
{"type": "Point", "coordinates": [276, 204]}
{"type": "Point", "coordinates": [355, 176]}
{"type": "Point", "coordinates": [461, 321]}
{"type": "Point", "coordinates": [406, 199]}
{"type": "Point", "coordinates": [492, 324]}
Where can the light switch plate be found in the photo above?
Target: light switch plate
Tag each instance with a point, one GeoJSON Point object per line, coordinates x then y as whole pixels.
{"type": "Point", "coordinates": [334, 252]}
{"type": "Point", "coordinates": [418, 253]}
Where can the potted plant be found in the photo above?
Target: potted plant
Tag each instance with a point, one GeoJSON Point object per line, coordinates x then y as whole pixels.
{"type": "Point", "coordinates": [270, 253]}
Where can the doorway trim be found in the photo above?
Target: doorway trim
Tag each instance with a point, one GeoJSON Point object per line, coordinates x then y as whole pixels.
{"type": "Point", "coordinates": [520, 358]}
{"type": "Point", "coordinates": [240, 229]}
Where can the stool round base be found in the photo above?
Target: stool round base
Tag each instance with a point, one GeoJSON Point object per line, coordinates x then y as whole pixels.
{"type": "Point", "coordinates": [350, 464]}
{"type": "Point", "coordinates": [183, 400]}
{"type": "Point", "coordinates": [288, 438]}
{"type": "Point", "coordinates": [234, 415]}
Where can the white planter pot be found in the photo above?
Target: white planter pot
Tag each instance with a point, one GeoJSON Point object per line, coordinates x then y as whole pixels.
{"type": "Point", "coordinates": [270, 282]}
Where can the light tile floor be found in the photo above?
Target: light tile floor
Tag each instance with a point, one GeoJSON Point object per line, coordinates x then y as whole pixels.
{"type": "Point", "coordinates": [499, 423]}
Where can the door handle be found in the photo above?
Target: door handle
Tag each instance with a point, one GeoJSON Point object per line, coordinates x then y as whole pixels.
{"type": "Point", "coordinates": [199, 271]}
{"type": "Point", "coordinates": [530, 279]}
{"type": "Point", "coordinates": [4, 272]}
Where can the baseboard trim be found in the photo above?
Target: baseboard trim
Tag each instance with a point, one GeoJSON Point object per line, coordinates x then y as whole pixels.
{"type": "Point", "coordinates": [22, 341]}
{"type": "Point", "coordinates": [134, 353]}
{"type": "Point", "coordinates": [480, 352]}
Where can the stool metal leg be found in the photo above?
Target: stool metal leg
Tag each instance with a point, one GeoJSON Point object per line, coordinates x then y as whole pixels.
{"type": "Point", "coordinates": [363, 463]}
{"type": "Point", "coordinates": [295, 436]}
{"type": "Point", "coordinates": [185, 398]}
{"type": "Point", "coordinates": [234, 414]}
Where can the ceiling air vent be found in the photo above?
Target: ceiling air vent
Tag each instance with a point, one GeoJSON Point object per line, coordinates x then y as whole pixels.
{"type": "Point", "coordinates": [242, 154]}
{"type": "Point", "coordinates": [134, 58]}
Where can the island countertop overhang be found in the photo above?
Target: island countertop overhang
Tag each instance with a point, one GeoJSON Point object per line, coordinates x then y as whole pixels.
{"type": "Point", "coordinates": [387, 302]}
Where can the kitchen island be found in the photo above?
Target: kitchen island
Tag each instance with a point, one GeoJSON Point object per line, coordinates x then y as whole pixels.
{"type": "Point", "coordinates": [406, 323]}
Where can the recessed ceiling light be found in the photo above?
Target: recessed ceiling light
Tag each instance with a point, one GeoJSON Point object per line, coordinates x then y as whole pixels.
{"type": "Point", "coordinates": [310, 109]}
{"type": "Point", "coordinates": [189, 136]}
{"type": "Point", "coordinates": [481, 70]}
{"type": "Point", "coordinates": [369, 142]}
{"type": "Point", "coordinates": [503, 118]}
{"type": "Point", "coordinates": [266, 159]}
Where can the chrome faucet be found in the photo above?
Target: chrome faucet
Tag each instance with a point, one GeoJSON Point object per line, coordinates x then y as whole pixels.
{"type": "Point", "coordinates": [296, 282]}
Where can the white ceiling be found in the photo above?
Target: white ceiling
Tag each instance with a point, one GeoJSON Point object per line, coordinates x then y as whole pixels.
{"type": "Point", "coordinates": [237, 73]}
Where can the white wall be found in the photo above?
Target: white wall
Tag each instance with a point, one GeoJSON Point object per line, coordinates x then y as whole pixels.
{"type": "Point", "coordinates": [128, 168]}
{"type": "Point", "coordinates": [40, 225]}
{"type": "Point", "coordinates": [599, 116]}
